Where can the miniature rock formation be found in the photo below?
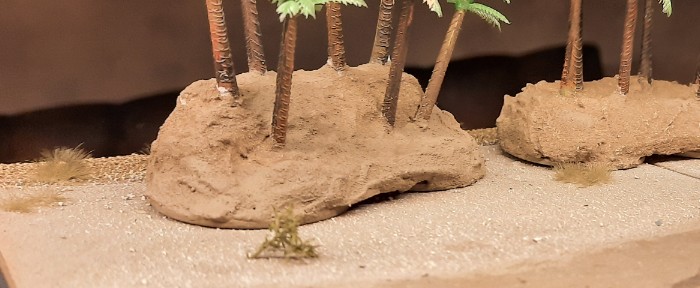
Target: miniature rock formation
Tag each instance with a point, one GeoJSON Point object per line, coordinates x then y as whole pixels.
{"type": "Point", "coordinates": [216, 165]}
{"type": "Point", "coordinates": [599, 124]}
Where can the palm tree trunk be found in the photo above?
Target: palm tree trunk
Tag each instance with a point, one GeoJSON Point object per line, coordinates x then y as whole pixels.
{"type": "Point", "coordinates": [398, 60]}
{"type": "Point", "coordinates": [448, 44]}
{"type": "Point", "coordinates": [382, 35]}
{"type": "Point", "coordinates": [627, 47]}
{"type": "Point", "coordinates": [645, 65]}
{"type": "Point", "coordinates": [223, 61]}
{"type": "Point", "coordinates": [697, 81]}
{"type": "Point", "coordinates": [283, 90]}
{"type": "Point", "coordinates": [336, 46]}
{"type": "Point", "coordinates": [253, 43]}
{"type": "Point", "coordinates": [573, 61]}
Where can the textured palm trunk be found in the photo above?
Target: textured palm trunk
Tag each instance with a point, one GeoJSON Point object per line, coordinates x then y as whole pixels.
{"type": "Point", "coordinates": [573, 61]}
{"type": "Point", "coordinates": [253, 42]}
{"type": "Point", "coordinates": [382, 35]}
{"type": "Point", "coordinates": [627, 47]}
{"type": "Point", "coordinates": [645, 65]}
{"type": "Point", "coordinates": [448, 45]}
{"type": "Point", "coordinates": [398, 60]}
{"type": "Point", "coordinates": [283, 90]}
{"type": "Point", "coordinates": [336, 46]}
{"type": "Point", "coordinates": [223, 61]}
{"type": "Point", "coordinates": [697, 81]}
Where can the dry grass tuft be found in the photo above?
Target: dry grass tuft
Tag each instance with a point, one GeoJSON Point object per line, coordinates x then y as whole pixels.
{"type": "Point", "coordinates": [486, 136]}
{"type": "Point", "coordinates": [62, 164]}
{"type": "Point", "coordinates": [582, 174]}
{"type": "Point", "coordinates": [285, 242]}
{"type": "Point", "coordinates": [30, 203]}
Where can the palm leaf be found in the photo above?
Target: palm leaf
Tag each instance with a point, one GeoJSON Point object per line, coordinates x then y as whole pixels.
{"type": "Point", "coordinates": [667, 9]}
{"type": "Point", "coordinates": [434, 6]}
{"type": "Point", "coordinates": [289, 8]}
{"type": "Point", "coordinates": [488, 14]}
{"type": "Point", "coordinates": [358, 3]}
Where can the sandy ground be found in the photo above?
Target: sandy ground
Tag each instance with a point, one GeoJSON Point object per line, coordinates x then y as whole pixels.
{"type": "Point", "coordinates": [514, 228]}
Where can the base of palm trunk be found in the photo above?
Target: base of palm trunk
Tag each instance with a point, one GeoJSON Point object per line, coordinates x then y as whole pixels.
{"type": "Point", "coordinates": [599, 124]}
{"type": "Point", "coordinates": [216, 165]}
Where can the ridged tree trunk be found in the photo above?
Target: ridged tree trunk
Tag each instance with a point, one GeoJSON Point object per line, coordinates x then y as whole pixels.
{"type": "Point", "coordinates": [425, 108]}
{"type": "Point", "coordinates": [336, 46]}
{"type": "Point", "coordinates": [223, 61]}
{"type": "Point", "coordinates": [645, 64]}
{"type": "Point", "coordinates": [398, 60]}
{"type": "Point", "coordinates": [573, 61]}
{"type": "Point", "coordinates": [283, 90]}
{"type": "Point", "coordinates": [697, 80]}
{"type": "Point", "coordinates": [627, 47]}
{"type": "Point", "coordinates": [253, 42]}
{"type": "Point", "coordinates": [382, 35]}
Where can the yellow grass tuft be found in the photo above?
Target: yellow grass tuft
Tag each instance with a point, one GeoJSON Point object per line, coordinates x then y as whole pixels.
{"type": "Point", "coordinates": [486, 136]}
{"type": "Point", "coordinates": [62, 164]}
{"type": "Point", "coordinates": [285, 240]}
{"type": "Point", "coordinates": [582, 174]}
{"type": "Point", "coordinates": [30, 203]}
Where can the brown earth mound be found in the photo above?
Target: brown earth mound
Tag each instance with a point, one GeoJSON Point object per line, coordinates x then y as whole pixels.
{"type": "Point", "coordinates": [216, 165]}
{"type": "Point", "coordinates": [599, 124]}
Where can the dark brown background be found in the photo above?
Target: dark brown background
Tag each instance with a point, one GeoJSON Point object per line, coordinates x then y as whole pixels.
{"type": "Point", "coordinates": [54, 53]}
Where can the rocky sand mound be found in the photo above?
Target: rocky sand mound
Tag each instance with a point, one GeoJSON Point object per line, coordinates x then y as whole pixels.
{"type": "Point", "coordinates": [216, 165]}
{"type": "Point", "coordinates": [599, 124]}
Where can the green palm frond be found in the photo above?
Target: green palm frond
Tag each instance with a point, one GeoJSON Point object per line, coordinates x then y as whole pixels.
{"type": "Point", "coordinates": [434, 6]}
{"type": "Point", "coordinates": [667, 9]}
{"type": "Point", "coordinates": [488, 14]}
{"type": "Point", "coordinates": [358, 3]}
{"type": "Point", "coordinates": [289, 8]}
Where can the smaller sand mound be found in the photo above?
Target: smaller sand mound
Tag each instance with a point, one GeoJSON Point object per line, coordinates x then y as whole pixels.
{"type": "Point", "coordinates": [599, 124]}
{"type": "Point", "coordinates": [215, 165]}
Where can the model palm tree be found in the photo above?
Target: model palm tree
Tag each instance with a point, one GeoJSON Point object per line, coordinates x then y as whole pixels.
{"type": "Point", "coordinates": [223, 61]}
{"type": "Point", "coordinates": [253, 43]}
{"type": "Point", "coordinates": [628, 42]}
{"type": "Point", "coordinates": [289, 11]}
{"type": "Point", "coordinates": [573, 61]}
{"type": "Point", "coordinates": [398, 57]}
{"type": "Point", "coordinates": [382, 35]}
{"type": "Point", "coordinates": [627, 47]}
{"type": "Point", "coordinates": [697, 80]}
{"type": "Point", "coordinates": [336, 46]}
{"type": "Point", "coordinates": [645, 65]}
{"type": "Point", "coordinates": [283, 83]}
{"type": "Point", "coordinates": [486, 13]}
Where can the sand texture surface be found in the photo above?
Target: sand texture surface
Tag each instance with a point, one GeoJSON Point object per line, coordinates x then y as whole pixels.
{"type": "Point", "coordinates": [216, 165]}
{"type": "Point", "coordinates": [514, 228]}
{"type": "Point", "coordinates": [599, 124]}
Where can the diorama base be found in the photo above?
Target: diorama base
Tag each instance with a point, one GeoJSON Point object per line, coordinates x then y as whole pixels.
{"type": "Point", "coordinates": [516, 227]}
{"type": "Point", "coordinates": [599, 124]}
{"type": "Point", "coordinates": [216, 165]}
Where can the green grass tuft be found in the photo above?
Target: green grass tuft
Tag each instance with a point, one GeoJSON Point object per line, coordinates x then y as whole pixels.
{"type": "Point", "coordinates": [582, 174]}
{"type": "Point", "coordinates": [285, 241]}
{"type": "Point", "coordinates": [62, 164]}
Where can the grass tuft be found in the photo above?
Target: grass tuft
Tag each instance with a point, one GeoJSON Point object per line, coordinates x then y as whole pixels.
{"type": "Point", "coordinates": [582, 174]}
{"type": "Point", "coordinates": [30, 203]}
{"type": "Point", "coordinates": [285, 241]}
{"type": "Point", "coordinates": [62, 164]}
{"type": "Point", "coordinates": [484, 137]}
